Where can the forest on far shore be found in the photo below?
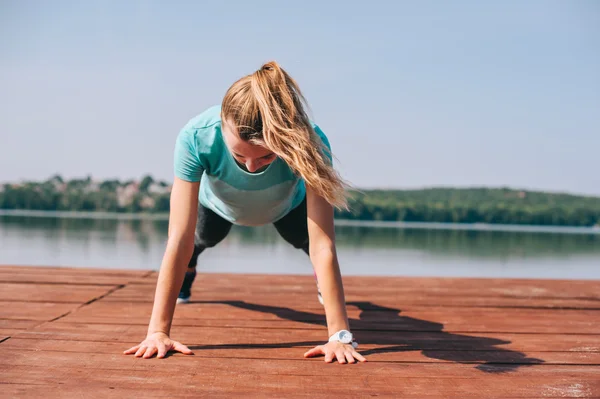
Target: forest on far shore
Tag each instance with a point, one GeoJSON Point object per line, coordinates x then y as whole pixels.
{"type": "Point", "coordinates": [442, 205]}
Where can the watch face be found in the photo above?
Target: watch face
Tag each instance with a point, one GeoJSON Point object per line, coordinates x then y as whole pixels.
{"type": "Point", "coordinates": [345, 337]}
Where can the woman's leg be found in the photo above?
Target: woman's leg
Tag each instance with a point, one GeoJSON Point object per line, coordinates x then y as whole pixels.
{"type": "Point", "coordinates": [210, 230]}
{"type": "Point", "coordinates": [293, 227]}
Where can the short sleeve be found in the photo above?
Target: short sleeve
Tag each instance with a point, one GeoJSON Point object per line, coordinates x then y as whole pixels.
{"type": "Point", "coordinates": [325, 141]}
{"type": "Point", "coordinates": [187, 163]}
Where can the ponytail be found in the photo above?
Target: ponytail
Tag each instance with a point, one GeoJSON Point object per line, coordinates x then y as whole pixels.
{"type": "Point", "coordinates": [267, 109]}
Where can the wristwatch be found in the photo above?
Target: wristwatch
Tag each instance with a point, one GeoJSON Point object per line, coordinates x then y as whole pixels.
{"type": "Point", "coordinates": [345, 337]}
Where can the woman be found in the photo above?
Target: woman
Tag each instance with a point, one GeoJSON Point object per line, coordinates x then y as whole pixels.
{"type": "Point", "coordinates": [256, 159]}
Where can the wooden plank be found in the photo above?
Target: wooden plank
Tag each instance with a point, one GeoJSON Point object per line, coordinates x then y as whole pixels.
{"type": "Point", "coordinates": [42, 311]}
{"type": "Point", "coordinates": [402, 324]}
{"type": "Point", "coordinates": [15, 269]}
{"type": "Point", "coordinates": [300, 366]}
{"type": "Point", "coordinates": [18, 324]}
{"type": "Point", "coordinates": [241, 374]}
{"type": "Point", "coordinates": [450, 286]}
{"type": "Point", "coordinates": [358, 286]}
{"type": "Point", "coordinates": [527, 288]}
{"type": "Point", "coordinates": [9, 327]}
{"type": "Point", "coordinates": [78, 387]}
{"type": "Point", "coordinates": [265, 337]}
{"type": "Point", "coordinates": [307, 298]}
{"type": "Point", "coordinates": [514, 288]}
{"type": "Point", "coordinates": [65, 279]}
{"type": "Point", "coordinates": [196, 383]}
{"type": "Point", "coordinates": [60, 275]}
{"type": "Point", "coordinates": [6, 333]}
{"type": "Point", "coordinates": [232, 313]}
{"type": "Point", "coordinates": [375, 353]}
{"type": "Point", "coordinates": [65, 293]}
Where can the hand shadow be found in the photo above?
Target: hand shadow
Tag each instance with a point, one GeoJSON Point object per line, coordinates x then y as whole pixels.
{"type": "Point", "coordinates": [379, 325]}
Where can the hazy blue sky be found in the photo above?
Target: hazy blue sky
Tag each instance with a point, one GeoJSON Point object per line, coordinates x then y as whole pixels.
{"type": "Point", "coordinates": [411, 94]}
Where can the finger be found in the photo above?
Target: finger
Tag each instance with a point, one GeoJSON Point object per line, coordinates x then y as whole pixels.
{"type": "Point", "coordinates": [150, 352]}
{"type": "Point", "coordinates": [131, 350]}
{"type": "Point", "coordinates": [317, 350]}
{"type": "Point", "coordinates": [359, 356]}
{"type": "Point", "coordinates": [329, 357]}
{"type": "Point", "coordinates": [178, 346]}
{"type": "Point", "coordinates": [162, 351]}
{"type": "Point", "coordinates": [340, 356]}
{"type": "Point", "coordinates": [349, 357]}
{"type": "Point", "coordinates": [140, 351]}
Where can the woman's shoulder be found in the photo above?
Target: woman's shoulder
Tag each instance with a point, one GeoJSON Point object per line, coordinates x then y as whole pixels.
{"type": "Point", "coordinates": [210, 117]}
{"type": "Point", "coordinates": [198, 145]}
{"type": "Point", "coordinates": [202, 130]}
{"type": "Point", "coordinates": [320, 133]}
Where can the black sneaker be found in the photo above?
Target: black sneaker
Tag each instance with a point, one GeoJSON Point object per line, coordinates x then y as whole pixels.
{"type": "Point", "coordinates": [186, 288]}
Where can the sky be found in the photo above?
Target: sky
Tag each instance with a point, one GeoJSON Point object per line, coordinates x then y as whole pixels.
{"type": "Point", "coordinates": [411, 94]}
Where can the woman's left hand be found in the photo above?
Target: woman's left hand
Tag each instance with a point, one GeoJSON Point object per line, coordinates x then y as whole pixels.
{"type": "Point", "coordinates": [344, 353]}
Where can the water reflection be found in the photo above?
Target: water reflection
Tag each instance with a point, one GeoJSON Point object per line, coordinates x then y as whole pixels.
{"type": "Point", "coordinates": [487, 244]}
{"type": "Point", "coordinates": [139, 243]}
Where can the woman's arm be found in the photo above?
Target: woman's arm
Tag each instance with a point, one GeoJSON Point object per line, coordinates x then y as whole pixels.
{"type": "Point", "coordinates": [323, 255]}
{"type": "Point", "coordinates": [180, 245]}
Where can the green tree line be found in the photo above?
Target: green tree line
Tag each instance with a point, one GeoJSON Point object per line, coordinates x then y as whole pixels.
{"type": "Point", "coordinates": [56, 194]}
{"type": "Point", "coordinates": [474, 205]}
{"type": "Point", "coordinates": [444, 205]}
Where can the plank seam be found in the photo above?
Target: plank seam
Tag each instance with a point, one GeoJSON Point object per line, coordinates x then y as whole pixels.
{"type": "Point", "coordinates": [107, 293]}
{"type": "Point", "coordinates": [115, 288]}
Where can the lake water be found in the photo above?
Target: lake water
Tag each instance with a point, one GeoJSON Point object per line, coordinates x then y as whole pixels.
{"type": "Point", "coordinates": [405, 250]}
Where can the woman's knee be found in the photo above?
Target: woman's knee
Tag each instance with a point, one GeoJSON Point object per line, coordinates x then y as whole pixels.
{"type": "Point", "coordinates": [296, 238]}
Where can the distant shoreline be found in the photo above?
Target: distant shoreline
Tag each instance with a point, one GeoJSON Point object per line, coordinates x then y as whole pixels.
{"type": "Point", "coordinates": [441, 207]}
{"type": "Point", "coordinates": [339, 222]}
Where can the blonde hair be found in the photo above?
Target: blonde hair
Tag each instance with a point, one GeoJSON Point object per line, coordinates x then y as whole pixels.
{"type": "Point", "coordinates": [267, 108]}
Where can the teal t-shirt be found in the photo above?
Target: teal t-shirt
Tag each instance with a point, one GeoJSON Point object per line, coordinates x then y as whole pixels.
{"type": "Point", "coordinates": [243, 198]}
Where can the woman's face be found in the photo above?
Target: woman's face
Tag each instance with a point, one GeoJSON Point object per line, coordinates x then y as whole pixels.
{"type": "Point", "coordinates": [253, 158]}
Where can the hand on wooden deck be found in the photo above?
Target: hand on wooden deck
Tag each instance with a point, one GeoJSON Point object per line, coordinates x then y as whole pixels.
{"type": "Point", "coordinates": [158, 343]}
{"type": "Point", "coordinates": [344, 353]}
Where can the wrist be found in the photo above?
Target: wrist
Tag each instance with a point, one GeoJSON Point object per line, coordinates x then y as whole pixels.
{"type": "Point", "coordinates": [336, 326]}
{"type": "Point", "coordinates": [152, 332]}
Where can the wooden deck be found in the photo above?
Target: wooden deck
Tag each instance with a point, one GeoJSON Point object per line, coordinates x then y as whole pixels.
{"type": "Point", "coordinates": [63, 332]}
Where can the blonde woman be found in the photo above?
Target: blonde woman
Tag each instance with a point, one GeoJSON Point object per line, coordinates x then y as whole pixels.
{"type": "Point", "coordinates": [255, 159]}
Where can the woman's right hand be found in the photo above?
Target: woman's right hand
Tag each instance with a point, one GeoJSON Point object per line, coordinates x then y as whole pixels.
{"type": "Point", "coordinates": [160, 343]}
